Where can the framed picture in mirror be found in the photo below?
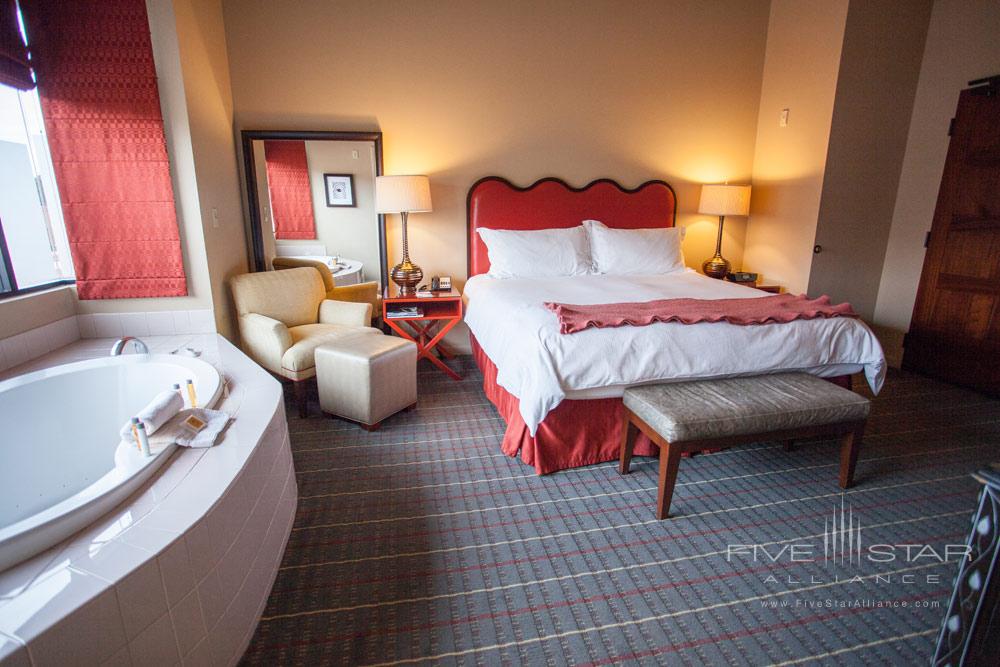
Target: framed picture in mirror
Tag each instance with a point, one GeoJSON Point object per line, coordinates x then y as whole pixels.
{"type": "Point", "coordinates": [339, 189]}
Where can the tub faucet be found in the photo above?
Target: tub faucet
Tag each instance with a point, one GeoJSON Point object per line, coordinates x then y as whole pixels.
{"type": "Point", "coordinates": [119, 346]}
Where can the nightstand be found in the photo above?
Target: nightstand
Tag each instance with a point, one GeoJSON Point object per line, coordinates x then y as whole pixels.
{"type": "Point", "coordinates": [764, 287]}
{"type": "Point", "coordinates": [436, 316]}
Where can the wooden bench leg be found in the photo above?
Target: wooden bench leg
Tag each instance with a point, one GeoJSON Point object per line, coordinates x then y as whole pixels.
{"type": "Point", "coordinates": [670, 459]}
{"type": "Point", "coordinates": [850, 446]}
{"type": "Point", "coordinates": [629, 432]}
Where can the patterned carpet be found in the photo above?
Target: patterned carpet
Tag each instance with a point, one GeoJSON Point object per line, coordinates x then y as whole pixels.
{"type": "Point", "coordinates": [423, 543]}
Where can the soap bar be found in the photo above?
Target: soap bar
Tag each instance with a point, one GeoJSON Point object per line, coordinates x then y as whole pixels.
{"type": "Point", "coordinates": [193, 424]}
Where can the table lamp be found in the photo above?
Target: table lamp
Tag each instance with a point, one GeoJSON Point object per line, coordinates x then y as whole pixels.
{"type": "Point", "coordinates": [404, 195]}
{"type": "Point", "coordinates": [722, 200]}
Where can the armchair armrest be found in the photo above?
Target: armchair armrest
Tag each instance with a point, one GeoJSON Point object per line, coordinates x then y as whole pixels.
{"type": "Point", "coordinates": [360, 293]}
{"type": "Point", "coordinates": [265, 339]}
{"type": "Point", "coordinates": [345, 312]}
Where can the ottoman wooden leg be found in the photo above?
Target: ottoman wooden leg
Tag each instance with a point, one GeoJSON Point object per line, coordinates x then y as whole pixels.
{"type": "Point", "coordinates": [670, 459]}
{"type": "Point", "coordinates": [629, 432]}
{"type": "Point", "coordinates": [850, 446]}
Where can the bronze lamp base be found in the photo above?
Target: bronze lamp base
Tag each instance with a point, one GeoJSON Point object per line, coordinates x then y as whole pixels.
{"type": "Point", "coordinates": [407, 275]}
{"type": "Point", "coordinates": [716, 267]}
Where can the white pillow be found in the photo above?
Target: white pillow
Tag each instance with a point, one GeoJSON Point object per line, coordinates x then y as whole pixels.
{"type": "Point", "coordinates": [623, 252]}
{"type": "Point", "coordinates": [538, 253]}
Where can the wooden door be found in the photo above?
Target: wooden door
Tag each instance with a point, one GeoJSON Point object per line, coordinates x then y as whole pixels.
{"type": "Point", "coordinates": [955, 332]}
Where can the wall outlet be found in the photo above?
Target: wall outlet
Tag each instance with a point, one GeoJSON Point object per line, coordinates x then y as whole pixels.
{"type": "Point", "coordinates": [354, 154]}
{"type": "Point", "coordinates": [783, 118]}
{"type": "Point", "coordinates": [215, 218]}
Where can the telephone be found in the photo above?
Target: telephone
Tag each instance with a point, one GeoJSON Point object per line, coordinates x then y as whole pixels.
{"type": "Point", "coordinates": [441, 283]}
{"type": "Point", "coordinates": [742, 277]}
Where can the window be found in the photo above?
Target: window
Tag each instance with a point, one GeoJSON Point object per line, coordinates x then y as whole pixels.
{"type": "Point", "coordinates": [34, 250]}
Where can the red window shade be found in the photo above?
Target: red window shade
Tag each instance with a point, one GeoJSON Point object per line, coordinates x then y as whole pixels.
{"type": "Point", "coordinates": [288, 185]}
{"type": "Point", "coordinates": [101, 106]}
{"type": "Point", "coordinates": [14, 69]}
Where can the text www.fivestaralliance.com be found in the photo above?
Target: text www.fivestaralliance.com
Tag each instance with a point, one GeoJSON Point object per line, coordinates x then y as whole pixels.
{"type": "Point", "coordinates": [851, 603]}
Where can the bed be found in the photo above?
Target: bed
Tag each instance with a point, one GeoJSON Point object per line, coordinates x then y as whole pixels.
{"type": "Point", "coordinates": [559, 394]}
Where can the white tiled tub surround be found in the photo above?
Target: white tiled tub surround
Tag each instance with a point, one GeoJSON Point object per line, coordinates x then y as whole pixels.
{"type": "Point", "coordinates": [34, 343]}
{"type": "Point", "coordinates": [181, 571]}
{"type": "Point", "coordinates": [39, 341]}
{"type": "Point", "coordinates": [157, 323]}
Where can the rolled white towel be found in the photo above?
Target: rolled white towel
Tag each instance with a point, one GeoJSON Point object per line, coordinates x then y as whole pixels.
{"type": "Point", "coordinates": [159, 411]}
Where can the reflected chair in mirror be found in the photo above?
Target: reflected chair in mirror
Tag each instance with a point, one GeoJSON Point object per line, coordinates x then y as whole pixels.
{"type": "Point", "coordinates": [367, 292]}
{"type": "Point", "coordinates": [285, 315]}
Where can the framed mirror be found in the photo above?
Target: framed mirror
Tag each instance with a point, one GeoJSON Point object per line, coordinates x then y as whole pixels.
{"type": "Point", "coordinates": [312, 195]}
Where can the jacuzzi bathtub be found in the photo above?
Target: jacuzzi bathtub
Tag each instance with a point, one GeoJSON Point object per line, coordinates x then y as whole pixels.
{"type": "Point", "coordinates": [62, 462]}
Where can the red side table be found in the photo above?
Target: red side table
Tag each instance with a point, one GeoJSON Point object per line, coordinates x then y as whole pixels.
{"type": "Point", "coordinates": [439, 314]}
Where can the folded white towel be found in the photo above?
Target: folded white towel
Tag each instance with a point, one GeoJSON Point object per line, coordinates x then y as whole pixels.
{"type": "Point", "coordinates": [175, 432]}
{"type": "Point", "coordinates": [160, 410]}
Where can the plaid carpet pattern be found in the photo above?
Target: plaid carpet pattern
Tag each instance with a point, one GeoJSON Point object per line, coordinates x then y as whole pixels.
{"type": "Point", "coordinates": [422, 543]}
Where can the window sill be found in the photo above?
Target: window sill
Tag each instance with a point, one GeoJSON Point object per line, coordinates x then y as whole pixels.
{"type": "Point", "coordinates": [37, 288]}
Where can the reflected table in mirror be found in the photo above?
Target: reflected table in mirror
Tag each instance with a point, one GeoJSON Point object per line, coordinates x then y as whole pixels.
{"type": "Point", "coordinates": [344, 271]}
{"type": "Point", "coordinates": [348, 272]}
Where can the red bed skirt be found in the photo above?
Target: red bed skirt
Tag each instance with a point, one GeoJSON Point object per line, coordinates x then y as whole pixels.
{"type": "Point", "coordinates": [577, 433]}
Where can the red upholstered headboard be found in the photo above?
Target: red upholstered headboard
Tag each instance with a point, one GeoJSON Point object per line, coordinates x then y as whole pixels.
{"type": "Point", "coordinates": [496, 203]}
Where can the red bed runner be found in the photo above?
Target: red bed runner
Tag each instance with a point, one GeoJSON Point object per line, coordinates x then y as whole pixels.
{"type": "Point", "coordinates": [763, 310]}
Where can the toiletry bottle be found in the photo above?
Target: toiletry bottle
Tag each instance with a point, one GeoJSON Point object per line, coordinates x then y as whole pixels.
{"type": "Point", "coordinates": [135, 431]}
{"type": "Point", "coordinates": [143, 439]}
{"type": "Point", "coordinates": [191, 394]}
{"type": "Point", "coordinates": [177, 388]}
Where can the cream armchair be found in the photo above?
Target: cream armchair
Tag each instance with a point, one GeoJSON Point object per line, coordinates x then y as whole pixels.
{"type": "Point", "coordinates": [285, 315]}
{"type": "Point", "coordinates": [361, 293]}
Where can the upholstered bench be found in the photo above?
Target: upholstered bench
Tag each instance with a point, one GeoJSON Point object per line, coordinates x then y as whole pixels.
{"type": "Point", "coordinates": [692, 416]}
{"type": "Point", "coordinates": [367, 378]}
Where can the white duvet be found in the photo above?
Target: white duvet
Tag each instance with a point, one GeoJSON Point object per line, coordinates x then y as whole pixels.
{"type": "Point", "coordinates": [542, 367]}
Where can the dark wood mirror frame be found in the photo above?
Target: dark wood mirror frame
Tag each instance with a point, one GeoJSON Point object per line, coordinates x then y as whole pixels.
{"type": "Point", "coordinates": [253, 196]}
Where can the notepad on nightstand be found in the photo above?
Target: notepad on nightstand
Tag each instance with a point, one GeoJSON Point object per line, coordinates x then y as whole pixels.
{"type": "Point", "coordinates": [404, 311]}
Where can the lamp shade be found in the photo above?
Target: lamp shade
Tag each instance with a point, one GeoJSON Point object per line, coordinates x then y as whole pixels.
{"type": "Point", "coordinates": [398, 194]}
{"type": "Point", "coordinates": [724, 200]}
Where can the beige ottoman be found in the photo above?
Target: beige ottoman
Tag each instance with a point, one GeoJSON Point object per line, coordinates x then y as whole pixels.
{"type": "Point", "coordinates": [367, 378]}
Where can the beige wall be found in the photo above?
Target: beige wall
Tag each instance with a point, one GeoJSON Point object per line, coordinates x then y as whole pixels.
{"type": "Point", "coordinates": [205, 66]}
{"type": "Point", "coordinates": [346, 231]}
{"type": "Point", "coordinates": [961, 46]}
{"type": "Point", "coordinates": [522, 89]}
{"type": "Point", "coordinates": [800, 74]}
{"type": "Point", "coordinates": [30, 311]}
{"type": "Point", "coordinates": [879, 66]}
